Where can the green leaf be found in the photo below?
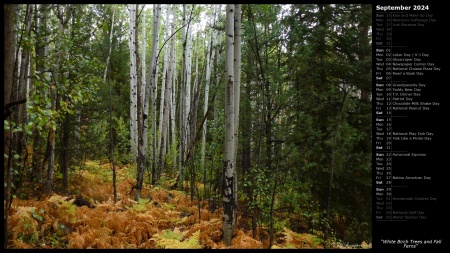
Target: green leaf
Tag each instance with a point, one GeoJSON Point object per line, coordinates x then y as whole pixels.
{"type": "Point", "coordinates": [16, 156]}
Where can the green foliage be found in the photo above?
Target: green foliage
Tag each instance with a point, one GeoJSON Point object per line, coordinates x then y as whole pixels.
{"type": "Point", "coordinates": [141, 206]}
{"type": "Point", "coordinates": [166, 182]}
{"type": "Point", "coordinates": [289, 246]}
{"type": "Point", "coordinates": [173, 240]}
{"type": "Point", "coordinates": [122, 144]}
{"type": "Point", "coordinates": [66, 209]}
{"type": "Point", "coordinates": [36, 215]}
{"type": "Point", "coordinates": [278, 224]}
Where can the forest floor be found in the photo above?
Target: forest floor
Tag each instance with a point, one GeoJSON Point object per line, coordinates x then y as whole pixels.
{"type": "Point", "coordinates": [162, 218]}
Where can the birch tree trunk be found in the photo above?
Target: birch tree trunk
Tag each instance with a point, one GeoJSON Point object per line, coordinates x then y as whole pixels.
{"type": "Point", "coordinates": [52, 128]}
{"type": "Point", "coordinates": [8, 75]}
{"type": "Point", "coordinates": [141, 158]}
{"type": "Point", "coordinates": [41, 49]}
{"type": "Point", "coordinates": [110, 43]}
{"type": "Point", "coordinates": [219, 38]}
{"type": "Point", "coordinates": [173, 105]}
{"type": "Point", "coordinates": [133, 84]}
{"type": "Point", "coordinates": [23, 75]}
{"type": "Point", "coordinates": [229, 201]}
{"type": "Point", "coordinates": [143, 67]}
{"type": "Point", "coordinates": [187, 97]}
{"type": "Point", "coordinates": [165, 120]}
{"type": "Point", "coordinates": [23, 59]}
{"type": "Point", "coordinates": [237, 82]}
{"type": "Point", "coordinates": [209, 64]}
{"type": "Point", "coordinates": [163, 84]}
{"type": "Point", "coordinates": [153, 81]}
{"type": "Point", "coordinates": [182, 101]}
{"type": "Point", "coordinates": [111, 129]}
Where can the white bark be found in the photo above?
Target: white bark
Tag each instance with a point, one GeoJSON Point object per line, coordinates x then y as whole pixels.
{"type": "Point", "coordinates": [229, 168]}
{"type": "Point", "coordinates": [151, 75]}
{"type": "Point", "coordinates": [143, 46]}
{"type": "Point", "coordinates": [182, 101]}
{"type": "Point", "coordinates": [237, 80]}
{"type": "Point", "coordinates": [209, 60]}
{"type": "Point", "coordinates": [133, 84]}
{"type": "Point", "coordinates": [140, 159]}
{"type": "Point", "coordinates": [196, 86]}
{"type": "Point", "coordinates": [110, 43]}
{"type": "Point", "coordinates": [188, 88]}
{"type": "Point", "coordinates": [167, 103]}
{"type": "Point", "coordinates": [163, 84]}
{"type": "Point", "coordinates": [173, 100]}
{"type": "Point", "coordinates": [219, 38]}
{"type": "Point", "coordinates": [153, 79]}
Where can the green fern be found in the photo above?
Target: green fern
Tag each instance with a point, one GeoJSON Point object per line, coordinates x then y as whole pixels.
{"type": "Point", "coordinates": [172, 240]}
{"type": "Point", "coordinates": [280, 224]}
{"type": "Point", "coordinates": [141, 206]}
{"type": "Point", "coordinates": [66, 208]}
{"type": "Point", "coordinates": [289, 246]}
{"type": "Point", "coordinates": [172, 235]}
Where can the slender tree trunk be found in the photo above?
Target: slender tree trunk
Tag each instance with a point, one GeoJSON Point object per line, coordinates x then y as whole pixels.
{"type": "Point", "coordinates": [272, 204]}
{"type": "Point", "coordinates": [41, 43]}
{"type": "Point", "coordinates": [143, 69]}
{"type": "Point", "coordinates": [65, 149]}
{"type": "Point", "coordinates": [229, 202]}
{"type": "Point", "coordinates": [219, 75]}
{"type": "Point", "coordinates": [246, 144]}
{"type": "Point", "coordinates": [153, 82]}
{"type": "Point", "coordinates": [209, 63]}
{"type": "Point", "coordinates": [133, 84]}
{"type": "Point", "coordinates": [182, 101]}
{"type": "Point", "coordinates": [23, 57]}
{"type": "Point", "coordinates": [8, 74]}
{"type": "Point", "coordinates": [187, 96]}
{"type": "Point", "coordinates": [111, 143]}
{"type": "Point", "coordinates": [166, 112]}
{"type": "Point", "coordinates": [140, 112]}
{"type": "Point", "coordinates": [110, 43]}
{"type": "Point", "coordinates": [23, 73]}
{"type": "Point", "coordinates": [65, 153]}
{"type": "Point", "coordinates": [111, 128]}
{"type": "Point", "coordinates": [51, 135]}
{"type": "Point", "coordinates": [237, 84]}
{"type": "Point", "coordinates": [173, 106]}
{"type": "Point", "coordinates": [162, 131]}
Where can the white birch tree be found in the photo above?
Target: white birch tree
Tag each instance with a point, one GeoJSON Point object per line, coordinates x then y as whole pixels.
{"type": "Point", "coordinates": [182, 100]}
{"type": "Point", "coordinates": [110, 43]}
{"type": "Point", "coordinates": [153, 85]}
{"type": "Point", "coordinates": [174, 103]}
{"type": "Point", "coordinates": [229, 201]}
{"type": "Point", "coordinates": [133, 83]}
{"type": "Point", "coordinates": [209, 63]}
{"type": "Point", "coordinates": [63, 17]}
{"type": "Point", "coordinates": [167, 104]}
{"type": "Point", "coordinates": [140, 159]}
{"type": "Point", "coordinates": [237, 81]}
{"type": "Point", "coordinates": [154, 81]}
{"type": "Point", "coordinates": [187, 97]}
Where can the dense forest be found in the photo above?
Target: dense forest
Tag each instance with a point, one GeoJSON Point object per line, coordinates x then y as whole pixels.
{"type": "Point", "coordinates": [187, 126]}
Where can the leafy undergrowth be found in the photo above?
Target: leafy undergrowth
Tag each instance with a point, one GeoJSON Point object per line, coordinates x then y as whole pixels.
{"type": "Point", "coordinates": [162, 218]}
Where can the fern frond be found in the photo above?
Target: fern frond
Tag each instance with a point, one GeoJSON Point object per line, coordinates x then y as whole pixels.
{"type": "Point", "coordinates": [172, 240]}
